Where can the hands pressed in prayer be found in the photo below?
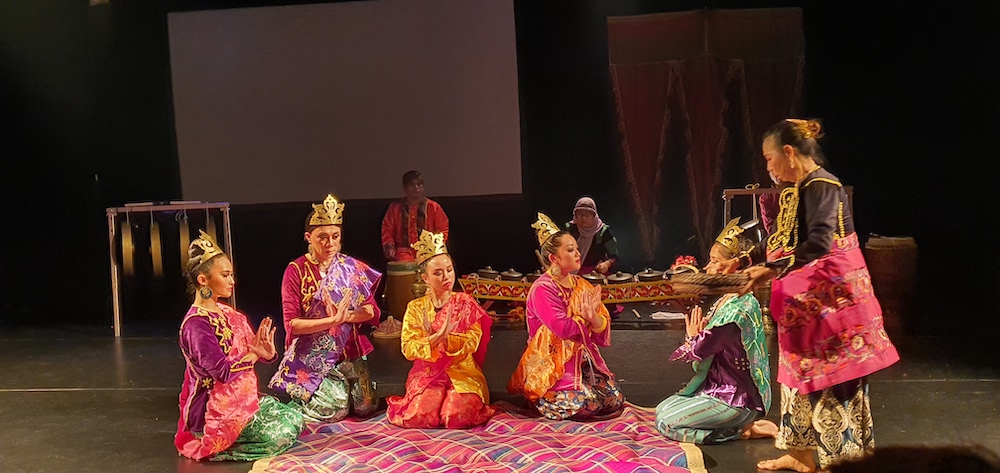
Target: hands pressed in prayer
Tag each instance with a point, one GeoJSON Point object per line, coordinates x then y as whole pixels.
{"type": "Point", "coordinates": [590, 306]}
{"type": "Point", "coordinates": [338, 313]}
{"type": "Point", "coordinates": [441, 335]}
{"type": "Point", "coordinates": [263, 345]}
{"type": "Point", "coordinates": [695, 322]}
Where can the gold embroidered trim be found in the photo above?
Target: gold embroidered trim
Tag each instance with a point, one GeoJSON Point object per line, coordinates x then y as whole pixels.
{"type": "Point", "coordinates": [307, 282]}
{"type": "Point", "coordinates": [823, 179]}
{"type": "Point", "coordinates": [840, 219]}
{"type": "Point", "coordinates": [787, 235]}
{"type": "Point", "coordinates": [222, 329]}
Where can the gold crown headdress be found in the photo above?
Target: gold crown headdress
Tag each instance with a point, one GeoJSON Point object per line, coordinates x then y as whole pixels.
{"type": "Point", "coordinates": [330, 212]}
{"type": "Point", "coordinates": [429, 245]}
{"type": "Point", "coordinates": [807, 128]}
{"type": "Point", "coordinates": [209, 247]}
{"type": "Point", "coordinates": [730, 236]}
{"type": "Point", "coordinates": [544, 228]}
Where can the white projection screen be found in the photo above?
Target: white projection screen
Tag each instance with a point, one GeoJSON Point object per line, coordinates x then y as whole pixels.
{"type": "Point", "coordinates": [284, 104]}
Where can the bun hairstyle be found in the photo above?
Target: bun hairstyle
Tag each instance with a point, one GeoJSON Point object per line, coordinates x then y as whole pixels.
{"type": "Point", "coordinates": [551, 244]}
{"type": "Point", "coordinates": [195, 266]}
{"type": "Point", "coordinates": [799, 134]}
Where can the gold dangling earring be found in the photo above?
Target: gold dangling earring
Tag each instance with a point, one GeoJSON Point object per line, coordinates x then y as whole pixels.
{"type": "Point", "coordinates": [554, 271]}
{"type": "Point", "coordinates": [205, 292]}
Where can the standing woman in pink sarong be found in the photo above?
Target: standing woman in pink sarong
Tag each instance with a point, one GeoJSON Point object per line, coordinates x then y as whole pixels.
{"type": "Point", "coordinates": [445, 334]}
{"type": "Point", "coordinates": [562, 372]}
{"type": "Point", "coordinates": [830, 330]}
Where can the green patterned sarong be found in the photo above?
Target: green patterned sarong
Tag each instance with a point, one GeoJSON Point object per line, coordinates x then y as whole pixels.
{"type": "Point", "coordinates": [330, 402]}
{"type": "Point", "coordinates": [272, 430]}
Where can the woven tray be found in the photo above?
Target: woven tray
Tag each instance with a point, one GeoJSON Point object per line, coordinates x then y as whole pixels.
{"type": "Point", "coordinates": [703, 283]}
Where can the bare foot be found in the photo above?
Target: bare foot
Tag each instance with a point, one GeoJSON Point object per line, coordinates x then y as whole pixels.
{"type": "Point", "coordinates": [760, 429]}
{"type": "Point", "coordinates": [798, 460]}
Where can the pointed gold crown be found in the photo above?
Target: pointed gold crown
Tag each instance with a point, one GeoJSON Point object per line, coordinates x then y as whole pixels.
{"type": "Point", "coordinates": [730, 236]}
{"type": "Point", "coordinates": [330, 212]}
{"type": "Point", "coordinates": [544, 228]}
{"type": "Point", "coordinates": [429, 245]}
{"type": "Point", "coordinates": [209, 247]}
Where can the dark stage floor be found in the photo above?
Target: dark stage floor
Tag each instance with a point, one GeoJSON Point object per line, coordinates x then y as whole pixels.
{"type": "Point", "coordinates": [76, 399]}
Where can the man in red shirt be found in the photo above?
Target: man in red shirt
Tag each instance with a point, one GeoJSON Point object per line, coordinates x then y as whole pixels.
{"type": "Point", "coordinates": [407, 217]}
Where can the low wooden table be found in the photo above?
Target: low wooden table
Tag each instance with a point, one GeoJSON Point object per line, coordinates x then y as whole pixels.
{"type": "Point", "coordinates": [489, 291]}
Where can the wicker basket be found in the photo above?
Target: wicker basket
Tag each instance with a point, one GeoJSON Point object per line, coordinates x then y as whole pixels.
{"type": "Point", "coordinates": [708, 284]}
{"type": "Point", "coordinates": [892, 263]}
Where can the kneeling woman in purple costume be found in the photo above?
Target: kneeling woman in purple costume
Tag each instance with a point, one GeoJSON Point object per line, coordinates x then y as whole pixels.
{"type": "Point", "coordinates": [222, 415]}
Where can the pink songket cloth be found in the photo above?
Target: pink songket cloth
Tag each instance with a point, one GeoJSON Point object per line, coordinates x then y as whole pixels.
{"type": "Point", "coordinates": [219, 400]}
{"type": "Point", "coordinates": [829, 323]}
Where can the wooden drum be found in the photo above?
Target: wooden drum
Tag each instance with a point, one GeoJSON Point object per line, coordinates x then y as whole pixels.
{"type": "Point", "coordinates": [401, 275]}
{"type": "Point", "coordinates": [892, 262]}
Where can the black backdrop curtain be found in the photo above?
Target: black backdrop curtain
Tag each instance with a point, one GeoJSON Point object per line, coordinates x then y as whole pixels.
{"type": "Point", "coordinates": [693, 93]}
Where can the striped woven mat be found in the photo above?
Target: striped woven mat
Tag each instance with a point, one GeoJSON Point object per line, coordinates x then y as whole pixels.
{"type": "Point", "coordinates": [510, 442]}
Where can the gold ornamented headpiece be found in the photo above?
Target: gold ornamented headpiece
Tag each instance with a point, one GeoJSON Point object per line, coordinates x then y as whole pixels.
{"type": "Point", "coordinates": [330, 212]}
{"type": "Point", "coordinates": [807, 128]}
{"type": "Point", "coordinates": [730, 236]}
{"type": "Point", "coordinates": [209, 247]}
{"type": "Point", "coordinates": [544, 228]}
{"type": "Point", "coordinates": [429, 245]}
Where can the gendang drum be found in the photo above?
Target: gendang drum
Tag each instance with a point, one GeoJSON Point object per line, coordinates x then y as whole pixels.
{"type": "Point", "coordinates": [399, 286]}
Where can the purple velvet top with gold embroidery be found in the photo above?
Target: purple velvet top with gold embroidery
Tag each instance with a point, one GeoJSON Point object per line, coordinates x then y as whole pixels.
{"type": "Point", "coordinates": [205, 338]}
{"type": "Point", "coordinates": [728, 378]}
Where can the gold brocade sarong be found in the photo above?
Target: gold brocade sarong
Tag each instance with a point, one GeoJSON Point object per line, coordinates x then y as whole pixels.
{"type": "Point", "coordinates": [542, 364]}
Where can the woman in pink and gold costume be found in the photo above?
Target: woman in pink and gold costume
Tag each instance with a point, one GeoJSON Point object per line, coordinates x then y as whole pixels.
{"type": "Point", "coordinates": [562, 372]}
{"type": "Point", "coordinates": [445, 334]}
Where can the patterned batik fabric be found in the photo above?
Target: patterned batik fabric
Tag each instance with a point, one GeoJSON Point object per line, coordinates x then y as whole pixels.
{"type": "Point", "coordinates": [836, 422]}
{"type": "Point", "coordinates": [330, 402]}
{"type": "Point", "coordinates": [598, 397]}
{"type": "Point", "coordinates": [702, 419]}
{"type": "Point", "coordinates": [271, 431]}
{"type": "Point", "coordinates": [829, 323]}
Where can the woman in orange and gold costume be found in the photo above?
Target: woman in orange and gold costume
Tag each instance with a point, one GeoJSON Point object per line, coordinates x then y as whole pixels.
{"type": "Point", "coordinates": [562, 372]}
{"type": "Point", "coordinates": [445, 334]}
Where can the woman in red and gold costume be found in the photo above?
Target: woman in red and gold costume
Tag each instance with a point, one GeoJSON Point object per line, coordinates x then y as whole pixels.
{"type": "Point", "coordinates": [829, 324]}
{"type": "Point", "coordinates": [562, 372]}
{"type": "Point", "coordinates": [445, 334]}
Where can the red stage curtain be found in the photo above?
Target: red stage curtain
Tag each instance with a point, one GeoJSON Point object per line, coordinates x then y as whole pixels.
{"type": "Point", "coordinates": [700, 87]}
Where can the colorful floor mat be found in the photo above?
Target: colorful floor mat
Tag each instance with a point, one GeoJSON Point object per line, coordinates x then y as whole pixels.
{"type": "Point", "coordinates": [510, 442]}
